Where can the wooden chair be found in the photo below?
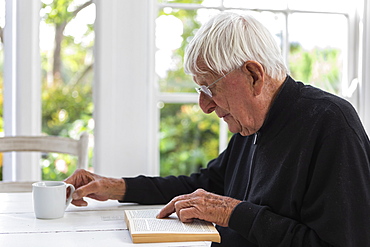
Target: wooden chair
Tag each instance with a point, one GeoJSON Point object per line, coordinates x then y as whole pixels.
{"type": "Point", "coordinates": [44, 144]}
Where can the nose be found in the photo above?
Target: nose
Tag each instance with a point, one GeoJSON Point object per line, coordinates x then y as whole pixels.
{"type": "Point", "coordinates": [206, 103]}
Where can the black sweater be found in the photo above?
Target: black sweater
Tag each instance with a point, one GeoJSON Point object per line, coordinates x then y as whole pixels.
{"type": "Point", "coordinates": [304, 178]}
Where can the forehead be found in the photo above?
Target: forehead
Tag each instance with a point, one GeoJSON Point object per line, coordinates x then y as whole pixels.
{"type": "Point", "coordinates": [206, 74]}
{"type": "Point", "coordinates": [203, 78]}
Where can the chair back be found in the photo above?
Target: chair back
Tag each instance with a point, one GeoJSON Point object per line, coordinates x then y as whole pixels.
{"type": "Point", "coordinates": [45, 144]}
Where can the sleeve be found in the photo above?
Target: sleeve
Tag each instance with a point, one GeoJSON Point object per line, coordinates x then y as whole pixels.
{"type": "Point", "coordinates": [336, 204]}
{"type": "Point", "coordinates": [160, 190]}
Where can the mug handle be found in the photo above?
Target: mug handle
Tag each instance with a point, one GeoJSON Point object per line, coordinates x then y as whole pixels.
{"type": "Point", "coordinates": [69, 199]}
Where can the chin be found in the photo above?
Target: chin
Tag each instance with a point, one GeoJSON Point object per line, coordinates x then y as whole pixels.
{"type": "Point", "coordinates": [246, 132]}
{"type": "Point", "coordinates": [234, 131]}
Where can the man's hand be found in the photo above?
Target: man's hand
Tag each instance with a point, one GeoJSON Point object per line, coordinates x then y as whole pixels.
{"type": "Point", "coordinates": [97, 187]}
{"type": "Point", "coordinates": [201, 205]}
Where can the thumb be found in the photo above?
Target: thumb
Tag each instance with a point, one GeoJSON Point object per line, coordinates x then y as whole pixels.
{"type": "Point", "coordinates": [85, 190]}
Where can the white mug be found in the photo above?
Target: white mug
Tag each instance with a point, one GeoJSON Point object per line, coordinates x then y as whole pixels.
{"type": "Point", "coordinates": [50, 199]}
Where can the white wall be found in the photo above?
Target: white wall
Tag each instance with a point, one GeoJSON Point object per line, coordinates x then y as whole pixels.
{"type": "Point", "coordinates": [124, 79]}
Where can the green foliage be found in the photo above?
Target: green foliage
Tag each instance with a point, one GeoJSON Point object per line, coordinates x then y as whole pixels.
{"type": "Point", "coordinates": [320, 67]}
{"type": "Point", "coordinates": [63, 106]}
{"type": "Point", "coordinates": [189, 139]}
{"type": "Point", "coordinates": [76, 62]}
{"type": "Point", "coordinates": [58, 167]}
{"type": "Point", "coordinates": [67, 111]}
{"type": "Point", "coordinates": [59, 12]}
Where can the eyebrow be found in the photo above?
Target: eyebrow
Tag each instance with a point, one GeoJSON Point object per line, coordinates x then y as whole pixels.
{"type": "Point", "coordinates": [200, 80]}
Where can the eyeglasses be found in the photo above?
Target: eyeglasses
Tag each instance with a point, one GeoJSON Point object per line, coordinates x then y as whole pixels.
{"type": "Point", "coordinates": [206, 90]}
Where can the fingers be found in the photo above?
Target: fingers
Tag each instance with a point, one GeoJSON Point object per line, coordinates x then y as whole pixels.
{"type": "Point", "coordinates": [79, 178]}
{"type": "Point", "coordinates": [201, 205]}
{"type": "Point", "coordinates": [79, 203]}
{"type": "Point", "coordinates": [179, 203]}
{"type": "Point", "coordinates": [69, 180]}
{"type": "Point", "coordinates": [167, 210]}
{"type": "Point", "coordinates": [188, 215]}
{"type": "Point", "coordinates": [190, 209]}
{"type": "Point", "coordinates": [85, 190]}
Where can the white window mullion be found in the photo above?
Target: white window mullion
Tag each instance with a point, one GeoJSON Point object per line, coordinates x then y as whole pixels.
{"type": "Point", "coordinates": [365, 72]}
{"type": "Point", "coordinates": [22, 85]}
{"type": "Point", "coordinates": [123, 97]}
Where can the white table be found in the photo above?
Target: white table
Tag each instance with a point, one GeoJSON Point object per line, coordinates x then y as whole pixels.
{"type": "Point", "coordinates": [99, 224]}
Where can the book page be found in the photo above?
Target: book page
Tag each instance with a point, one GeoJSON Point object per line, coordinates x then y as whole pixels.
{"type": "Point", "coordinates": [146, 221]}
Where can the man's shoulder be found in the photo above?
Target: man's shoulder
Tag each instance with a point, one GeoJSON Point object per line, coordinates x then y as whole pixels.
{"type": "Point", "coordinates": [325, 103]}
{"type": "Point", "coordinates": [330, 111]}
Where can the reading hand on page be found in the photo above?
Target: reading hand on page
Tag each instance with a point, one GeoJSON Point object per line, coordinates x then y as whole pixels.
{"type": "Point", "coordinates": [97, 187]}
{"type": "Point", "coordinates": [201, 205]}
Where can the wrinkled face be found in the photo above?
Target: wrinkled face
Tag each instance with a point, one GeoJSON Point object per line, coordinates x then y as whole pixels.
{"type": "Point", "coordinates": [236, 98]}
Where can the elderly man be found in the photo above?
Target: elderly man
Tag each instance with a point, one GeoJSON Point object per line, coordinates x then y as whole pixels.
{"type": "Point", "coordinates": [297, 171]}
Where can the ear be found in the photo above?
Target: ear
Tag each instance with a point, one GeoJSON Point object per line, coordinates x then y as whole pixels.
{"type": "Point", "coordinates": [256, 72]}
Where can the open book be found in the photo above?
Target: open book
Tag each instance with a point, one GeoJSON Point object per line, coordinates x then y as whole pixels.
{"type": "Point", "coordinates": [146, 228]}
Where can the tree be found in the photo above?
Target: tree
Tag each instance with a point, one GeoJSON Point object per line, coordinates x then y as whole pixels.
{"type": "Point", "coordinates": [60, 16]}
{"type": "Point", "coordinates": [67, 105]}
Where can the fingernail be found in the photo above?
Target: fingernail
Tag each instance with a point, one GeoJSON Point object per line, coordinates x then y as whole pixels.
{"type": "Point", "coordinates": [75, 196]}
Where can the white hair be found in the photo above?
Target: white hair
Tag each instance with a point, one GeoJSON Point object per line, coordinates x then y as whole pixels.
{"type": "Point", "coordinates": [228, 40]}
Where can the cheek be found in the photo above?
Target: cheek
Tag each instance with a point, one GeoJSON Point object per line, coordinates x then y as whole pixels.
{"type": "Point", "coordinates": [242, 115]}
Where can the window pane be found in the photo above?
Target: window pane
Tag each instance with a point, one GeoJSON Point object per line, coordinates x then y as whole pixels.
{"type": "Point", "coordinates": [274, 22]}
{"type": "Point", "coordinates": [252, 4]}
{"type": "Point", "coordinates": [188, 139]}
{"type": "Point", "coordinates": [66, 45]}
{"type": "Point", "coordinates": [174, 29]}
{"type": "Point", "coordinates": [316, 55]}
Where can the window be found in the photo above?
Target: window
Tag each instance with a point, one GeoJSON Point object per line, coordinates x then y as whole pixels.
{"type": "Point", "coordinates": [313, 54]}
{"type": "Point", "coordinates": [63, 30]}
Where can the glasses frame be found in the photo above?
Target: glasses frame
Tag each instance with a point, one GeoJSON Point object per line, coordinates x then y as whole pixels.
{"type": "Point", "coordinates": [206, 90]}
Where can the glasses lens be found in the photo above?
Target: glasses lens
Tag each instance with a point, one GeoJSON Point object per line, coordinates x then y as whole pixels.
{"type": "Point", "coordinates": [205, 90]}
